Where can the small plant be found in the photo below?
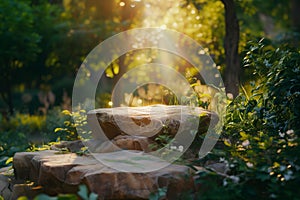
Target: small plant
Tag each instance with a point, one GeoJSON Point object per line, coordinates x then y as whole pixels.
{"type": "Point", "coordinates": [162, 140]}
{"type": "Point", "coordinates": [159, 195]}
{"type": "Point", "coordinates": [75, 126]}
{"type": "Point", "coordinates": [83, 193]}
{"type": "Point", "coordinates": [18, 133]}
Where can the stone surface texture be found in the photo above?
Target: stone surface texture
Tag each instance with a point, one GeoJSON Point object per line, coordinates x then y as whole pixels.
{"type": "Point", "coordinates": [63, 173]}
{"type": "Point", "coordinates": [147, 121]}
{"type": "Point", "coordinates": [137, 128]}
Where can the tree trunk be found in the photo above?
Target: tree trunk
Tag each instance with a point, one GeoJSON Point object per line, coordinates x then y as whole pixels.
{"type": "Point", "coordinates": [295, 21]}
{"type": "Point", "coordinates": [6, 95]}
{"type": "Point", "coordinates": [295, 16]}
{"type": "Point", "coordinates": [6, 86]}
{"type": "Point", "coordinates": [10, 100]}
{"type": "Point", "coordinates": [231, 43]}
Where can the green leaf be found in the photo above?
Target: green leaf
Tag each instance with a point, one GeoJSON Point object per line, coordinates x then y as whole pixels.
{"type": "Point", "coordinates": [20, 198]}
{"type": "Point", "coordinates": [44, 197]}
{"type": "Point", "coordinates": [67, 123]}
{"type": "Point", "coordinates": [8, 161]}
{"type": "Point", "coordinates": [83, 192]}
{"type": "Point", "coordinates": [57, 129]}
{"type": "Point", "coordinates": [66, 112]}
{"type": "Point", "coordinates": [227, 143]}
{"type": "Point", "coordinates": [243, 134]}
{"type": "Point", "coordinates": [93, 196]}
{"type": "Point", "coordinates": [67, 197]}
{"type": "Point", "coordinates": [153, 196]}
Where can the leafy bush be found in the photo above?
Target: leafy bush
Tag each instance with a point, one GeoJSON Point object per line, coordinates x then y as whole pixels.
{"type": "Point", "coordinates": [83, 193]}
{"type": "Point", "coordinates": [30, 124]}
{"type": "Point", "coordinates": [75, 126]}
{"type": "Point", "coordinates": [261, 132]}
{"type": "Point", "coordinates": [18, 133]}
{"type": "Point", "coordinates": [24, 132]}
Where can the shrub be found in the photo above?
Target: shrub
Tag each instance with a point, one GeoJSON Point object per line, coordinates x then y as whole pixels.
{"type": "Point", "coordinates": [75, 126]}
{"type": "Point", "coordinates": [261, 131]}
{"type": "Point", "coordinates": [18, 133]}
{"type": "Point", "coordinates": [24, 132]}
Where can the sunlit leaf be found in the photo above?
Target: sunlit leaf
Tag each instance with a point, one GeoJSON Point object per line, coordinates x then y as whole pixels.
{"type": "Point", "coordinates": [66, 112]}
{"type": "Point", "coordinates": [227, 142]}
{"type": "Point", "coordinates": [10, 160]}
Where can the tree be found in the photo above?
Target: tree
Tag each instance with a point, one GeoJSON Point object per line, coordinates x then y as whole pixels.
{"type": "Point", "coordinates": [295, 17]}
{"type": "Point", "coordinates": [232, 35]}
{"type": "Point", "coordinates": [19, 44]}
{"type": "Point", "coordinates": [231, 44]}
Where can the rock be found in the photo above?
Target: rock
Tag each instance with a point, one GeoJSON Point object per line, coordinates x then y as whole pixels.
{"type": "Point", "coordinates": [26, 189]}
{"type": "Point", "coordinates": [98, 146]}
{"type": "Point", "coordinates": [120, 142]}
{"type": "Point", "coordinates": [7, 171]}
{"type": "Point", "coordinates": [5, 187]}
{"type": "Point", "coordinates": [147, 121]}
{"type": "Point", "coordinates": [25, 161]}
{"type": "Point", "coordinates": [221, 168]}
{"type": "Point", "coordinates": [127, 142]}
{"type": "Point", "coordinates": [63, 173]}
{"type": "Point", "coordinates": [135, 128]}
{"type": "Point", "coordinates": [72, 146]}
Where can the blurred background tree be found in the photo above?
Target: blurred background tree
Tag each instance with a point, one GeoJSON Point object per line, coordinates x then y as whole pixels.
{"type": "Point", "coordinates": [43, 42]}
{"type": "Point", "coordinates": [19, 45]}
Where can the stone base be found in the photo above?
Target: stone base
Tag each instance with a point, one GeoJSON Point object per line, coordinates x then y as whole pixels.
{"type": "Point", "coordinates": [63, 173]}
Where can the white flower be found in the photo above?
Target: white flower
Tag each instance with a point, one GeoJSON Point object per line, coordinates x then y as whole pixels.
{"type": "Point", "coordinates": [180, 148]}
{"type": "Point", "coordinates": [246, 143]}
{"type": "Point", "coordinates": [173, 147]}
{"type": "Point", "coordinates": [289, 132]}
{"type": "Point", "coordinates": [229, 96]}
{"type": "Point", "coordinates": [225, 182]}
{"type": "Point", "coordinates": [249, 164]}
{"type": "Point", "coordinates": [281, 134]}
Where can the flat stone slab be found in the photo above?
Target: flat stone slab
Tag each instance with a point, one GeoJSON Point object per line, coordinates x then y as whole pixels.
{"type": "Point", "coordinates": [63, 173]}
{"type": "Point", "coordinates": [148, 121]}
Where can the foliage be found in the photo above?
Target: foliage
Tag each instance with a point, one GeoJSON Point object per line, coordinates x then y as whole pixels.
{"type": "Point", "coordinates": [17, 34]}
{"type": "Point", "coordinates": [83, 193]}
{"type": "Point", "coordinates": [75, 126]}
{"type": "Point", "coordinates": [261, 131]}
{"type": "Point", "coordinates": [59, 34]}
{"type": "Point", "coordinates": [24, 132]}
{"type": "Point", "coordinates": [18, 43]}
{"type": "Point", "coordinates": [18, 133]}
{"type": "Point", "coordinates": [160, 194]}
{"type": "Point", "coordinates": [161, 141]}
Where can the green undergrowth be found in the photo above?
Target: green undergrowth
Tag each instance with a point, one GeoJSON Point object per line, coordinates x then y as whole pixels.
{"type": "Point", "coordinates": [24, 132]}
{"type": "Point", "coordinates": [261, 132]}
{"type": "Point", "coordinates": [83, 193]}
